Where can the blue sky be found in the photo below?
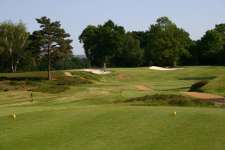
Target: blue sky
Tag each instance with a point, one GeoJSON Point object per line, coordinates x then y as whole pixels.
{"type": "Point", "coordinates": [195, 16]}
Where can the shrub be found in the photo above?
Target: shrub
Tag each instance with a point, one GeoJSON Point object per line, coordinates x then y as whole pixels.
{"type": "Point", "coordinates": [38, 82]}
{"type": "Point", "coordinates": [167, 99]}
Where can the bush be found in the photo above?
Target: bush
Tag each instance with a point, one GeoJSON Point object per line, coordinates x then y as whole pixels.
{"type": "Point", "coordinates": [167, 99]}
{"type": "Point", "coordinates": [198, 85]}
{"type": "Point", "coordinates": [39, 82]}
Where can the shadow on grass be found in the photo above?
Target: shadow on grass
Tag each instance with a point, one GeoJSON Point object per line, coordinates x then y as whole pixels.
{"type": "Point", "coordinates": [177, 89]}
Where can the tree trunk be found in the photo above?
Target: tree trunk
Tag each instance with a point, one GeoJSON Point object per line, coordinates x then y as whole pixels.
{"type": "Point", "coordinates": [15, 68]}
{"type": "Point", "coordinates": [12, 61]}
{"type": "Point", "coordinates": [49, 65]}
{"type": "Point", "coordinates": [104, 67]}
{"type": "Point", "coordinates": [12, 67]}
{"type": "Point", "coordinates": [175, 63]}
{"type": "Point", "coordinates": [104, 64]}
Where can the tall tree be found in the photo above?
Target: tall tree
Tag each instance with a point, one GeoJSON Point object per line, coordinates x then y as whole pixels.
{"type": "Point", "coordinates": [211, 46]}
{"type": "Point", "coordinates": [130, 54]}
{"type": "Point", "coordinates": [89, 40]}
{"type": "Point", "coordinates": [220, 28]}
{"type": "Point", "coordinates": [34, 42]}
{"type": "Point", "coordinates": [209, 50]}
{"type": "Point", "coordinates": [54, 42]}
{"type": "Point", "coordinates": [166, 43]}
{"type": "Point", "coordinates": [102, 42]}
{"type": "Point", "coordinates": [142, 36]}
{"type": "Point", "coordinates": [13, 39]}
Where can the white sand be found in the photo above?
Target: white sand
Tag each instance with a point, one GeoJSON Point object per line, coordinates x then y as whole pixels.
{"type": "Point", "coordinates": [96, 71]}
{"type": "Point", "coordinates": [163, 69]}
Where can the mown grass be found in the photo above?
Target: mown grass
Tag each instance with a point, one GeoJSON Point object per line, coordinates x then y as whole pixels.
{"type": "Point", "coordinates": [86, 116]}
{"type": "Point", "coordinates": [110, 127]}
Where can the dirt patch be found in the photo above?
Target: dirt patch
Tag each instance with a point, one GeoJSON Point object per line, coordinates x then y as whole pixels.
{"type": "Point", "coordinates": [142, 88]}
{"type": "Point", "coordinates": [205, 96]}
{"type": "Point", "coordinates": [122, 76]}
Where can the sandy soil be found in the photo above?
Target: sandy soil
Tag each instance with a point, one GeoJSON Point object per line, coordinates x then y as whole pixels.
{"type": "Point", "coordinates": [142, 88]}
{"type": "Point", "coordinates": [205, 96]}
{"type": "Point", "coordinates": [163, 69]}
{"type": "Point", "coordinates": [122, 76]}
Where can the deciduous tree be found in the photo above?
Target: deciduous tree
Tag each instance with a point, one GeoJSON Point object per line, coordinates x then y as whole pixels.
{"type": "Point", "coordinates": [166, 43]}
{"type": "Point", "coordinates": [13, 40]}
{"type": "Point", "coordinates": [101, 43]}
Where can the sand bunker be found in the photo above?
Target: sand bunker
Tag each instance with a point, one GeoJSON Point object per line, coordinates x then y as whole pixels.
{"type": "Point", "coordinates": [96, 71]}
{"type": "Point", "coordinates": [68, 74]}
{"type": "Point", "coordinates": [163, 69]}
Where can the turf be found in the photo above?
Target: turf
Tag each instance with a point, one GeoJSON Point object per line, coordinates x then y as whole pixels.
{"type": "Point", "coordinates": [110, 127]}
{"type": "Point", "coordinates": [89, 117]}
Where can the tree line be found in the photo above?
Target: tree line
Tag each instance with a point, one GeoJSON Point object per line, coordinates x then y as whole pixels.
{"type": "Point", "coordinates": [163, 44]}
{"type": "Point", "coordinates": [48, 48]}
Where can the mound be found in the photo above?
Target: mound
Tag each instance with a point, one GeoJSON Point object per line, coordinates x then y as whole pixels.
{"type": "Point", "coordinates": [216, 86]}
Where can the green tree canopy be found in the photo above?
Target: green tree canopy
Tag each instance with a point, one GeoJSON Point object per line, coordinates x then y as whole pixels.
{"type": "Point", "coordinates": [101, 43]}
{"type": "Point", "coordinates": [211, 47]}
{"type": "Point", "coordinates": [166, 43]}
{"type": "Point", "coordinates": [130, 54]}
{"type": "Point", "coordinates": [13, 40]}
{"type": "Point", "coordinates": [52, 41]}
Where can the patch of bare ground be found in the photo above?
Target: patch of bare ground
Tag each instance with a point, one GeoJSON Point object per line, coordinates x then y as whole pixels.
{"type": "Point", "coordinates": [206, 96]}
{"type": "Point", "coordinates": [122, 76]}
{"type": "Point", "coordinates": [142, 88]}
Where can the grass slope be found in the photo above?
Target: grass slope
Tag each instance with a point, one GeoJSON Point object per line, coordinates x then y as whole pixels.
{"type": "Point", "coordinates": [216, 86]}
